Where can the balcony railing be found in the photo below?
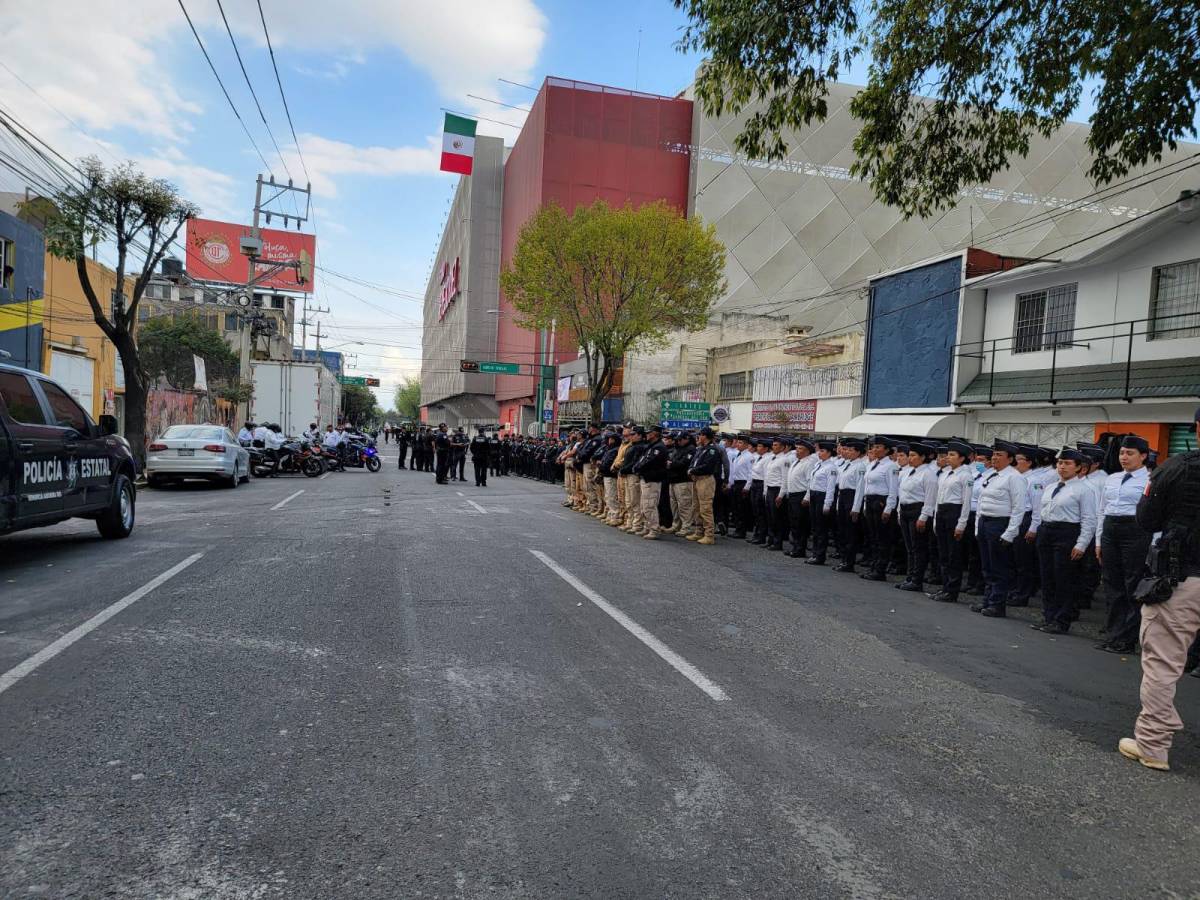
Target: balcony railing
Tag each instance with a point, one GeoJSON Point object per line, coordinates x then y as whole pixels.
{"type": "Point", "coordinates": [1129, 380]}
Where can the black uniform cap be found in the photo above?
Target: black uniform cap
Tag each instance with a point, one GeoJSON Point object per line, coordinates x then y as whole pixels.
{"type": "Point", "coordinates": [1135, 442]}
{"type": "Point", "coordinates": [855, 444]}
{"type": "Point", "coordinates": [962, 448]}
{"type": "Point", "coordinates": [827, 445]}
{"type": "Point", "coordinates": [882, 441]}
{"type": "Point", "coordinates": [1071, 454]}
{"type": "Point", "coordinates": [806, 443]}
{"type": "Point", "coordinates": [921, 447]}
{"type": "Point", "coordinates": [1005, 447]}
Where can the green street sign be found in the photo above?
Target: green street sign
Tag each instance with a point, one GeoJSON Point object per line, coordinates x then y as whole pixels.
{"type": "Point", "coordinates": [361, 381]}
{"type": "Point", "coordinates": [500, 368]}
{"type": "Point", "coordinates": [678, 406]}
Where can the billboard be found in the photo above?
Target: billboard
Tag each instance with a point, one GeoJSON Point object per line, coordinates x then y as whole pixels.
{"type": "Point", "coordinates": [784, 415]}
{"type": "Point", "coordinates": [213, 254]}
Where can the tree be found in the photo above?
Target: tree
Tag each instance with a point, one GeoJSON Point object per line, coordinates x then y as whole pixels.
{"type": "Point", "coordinates": [167, 345]}
{"type": "Point", "coordinates": [139, 215]}
{"type": "Point", "coordinates": [408, 398]}
{"type": "Point", "coordinates": [358, 404]}
{"type": "Point", "coordinates": [954, 90]}
{"type": "Point", "coordinates": [614, 281]}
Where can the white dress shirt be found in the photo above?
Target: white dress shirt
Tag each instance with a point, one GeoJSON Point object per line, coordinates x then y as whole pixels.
{"type": "Point", "coordinates": [851, 475]}
{"type": "Point", "coordinates": [824, 480]}
{"type": "Point", "coordinates": [920, 485]}
{"type": "Point", "coordinates": [274, 440]}
{"type": "Point", "coordinates": [731, 454]}
{"type": "Point", "coordinates": [880, 479]}
{"type": "Point", "coordinates": [261, 432]}
{"type": "Point", "coordinates": [977, 485]}
{"type": "Point", "coordinates": [955, 487]}
{"type": "Point", "coordinates": [741, 466]}
{"type": "Point", "coordinates": [1037, 479]}
{"type": "Point", "coordinates": [245, 434]}
{"type": "Point", "coordinates": [1122, 491]}
{"type": "Point", "coordinates": [331, 439]}
{"type": "Point", "coordinates": [758, 471]}
{"type": "Point", "coordinates": [1003, 494]}
{"type": "Point", "coordinates": [1071, 501]}
{"type": "Point", "coordinates": [777, 469]}
{"type": "Point", "coordinates": [799, 476]}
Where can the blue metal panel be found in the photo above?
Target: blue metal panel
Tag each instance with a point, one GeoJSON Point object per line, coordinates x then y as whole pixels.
{"type": "Point", "coordinates": [29, 274]}
{"type": "Point", "coordinates": [913, 318]}
{"type": "Point", "coordinates": [611, 409]}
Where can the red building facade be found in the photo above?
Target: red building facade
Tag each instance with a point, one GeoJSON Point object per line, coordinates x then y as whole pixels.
{"type": "Point", "coordinates": [582, 142]}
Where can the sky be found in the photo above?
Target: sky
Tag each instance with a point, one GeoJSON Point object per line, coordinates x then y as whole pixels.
{"type": "Point", "coordinates": [366, 82]}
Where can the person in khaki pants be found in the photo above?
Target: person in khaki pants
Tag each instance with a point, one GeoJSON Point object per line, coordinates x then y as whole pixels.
{"type": "Point", "coordinates": [633, 522]}
{"type": "Point", "coordinates": [706, 465]}
{"type": "Point", "coordinates": [1171, 505]}
{"type": "Point", "coordinates": [651, 469]}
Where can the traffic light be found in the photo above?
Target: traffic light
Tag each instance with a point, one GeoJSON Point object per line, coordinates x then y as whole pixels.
{"type": "Point", "coordinates": [372, 382]}
{"type": "Point", "coordinates": [468, 365]}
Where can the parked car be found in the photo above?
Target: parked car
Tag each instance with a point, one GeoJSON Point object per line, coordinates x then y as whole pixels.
{"type": "Point", "coordinates": [197, 451]}
{"type": "Point", "coordinates": [56, 463]}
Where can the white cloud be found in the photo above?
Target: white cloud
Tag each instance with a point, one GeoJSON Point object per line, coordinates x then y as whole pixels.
{"type": "Point", "coordinates": [327, 158]}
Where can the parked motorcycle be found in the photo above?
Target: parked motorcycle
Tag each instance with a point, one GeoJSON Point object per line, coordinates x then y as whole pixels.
{"type": "Point", "coordinates": [362, 456]}
{"type": "Point", "coordinates": [294, 458]}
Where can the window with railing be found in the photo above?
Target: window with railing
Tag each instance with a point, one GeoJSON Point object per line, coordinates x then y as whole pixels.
{"type": "Point", "coordinates": [734, 386]}
{"type": "Point", "coordinates": [1174, 301]}
{"type": "Point", "coordinates": [1045, 319]}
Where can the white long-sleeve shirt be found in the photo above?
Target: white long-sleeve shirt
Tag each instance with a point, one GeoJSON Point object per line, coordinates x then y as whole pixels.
{"type": "Point", "coordinates": [758, 471]}
{"type": "Point", "coordinates": [824, 481]}
{"type": "Point", "coordinates": [1003, 494]}
{"type": "Point", "coordinates": [955, 487]}
{"type": "Point", "coordinates": [777, 469]}
{"type": "Point", "coordinates": [332, 439]}
{"type": "Point", "coordinates": [799, 476]}
{"type": "Point", "coordinates": [1071, 501]}
{"type": "Point", "coordinates": [977, 485]}
{"type": "Point", "coordinates": [1036, 480]}
{"type": "Point", "coordinates": [920, 485]}
{"type": "Point", "coordinates": [1122, 491]}
{"type": "Point", "coordinates": [741, 466]}
{"type": "Point", "coordinates": [245, 434]}
{"type": "Point", "coordinates": [732, 454]}
{"type": "Point", "coordinates": [880, 479]}
{"type": "Point", "coordinates": [851, 475]}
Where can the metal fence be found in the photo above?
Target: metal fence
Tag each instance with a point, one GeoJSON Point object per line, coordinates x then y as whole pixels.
{"type": "Point", "coordinates": [793, 382]}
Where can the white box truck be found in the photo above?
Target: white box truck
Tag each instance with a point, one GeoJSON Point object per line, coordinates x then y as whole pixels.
{"type": "Point", "coordinates": [293, 394]}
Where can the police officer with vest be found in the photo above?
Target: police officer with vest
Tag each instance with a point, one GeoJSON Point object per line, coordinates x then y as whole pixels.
{"type": "Point", "coordinates": [708, 464]}
{"type": "Point", "coordinates": [441, 449]}
{"type": "Point", "coordinates": [480, 450]}
{"type": "Point", "coordinates": [1171, 605]}
{"type": "Point", "coordinates": [651, 468]}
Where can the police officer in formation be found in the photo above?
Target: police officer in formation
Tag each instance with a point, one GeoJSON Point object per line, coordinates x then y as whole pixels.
{"type": "Point", "coordinates": [480, 450]}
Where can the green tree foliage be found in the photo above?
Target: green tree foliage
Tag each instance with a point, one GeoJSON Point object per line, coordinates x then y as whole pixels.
{"type": "Point", "coordinates": [957, 89]}
{"type": "Point", "coordinates": [614, 280]}
{"type": "Point", "coordinates": [408, 398]}
{"type": "Point", "coordinates": [358, 404]}
{"type": "Point", "coordinates": [167, 345]}
{"type": "Point", "coordinates": [140, 217]}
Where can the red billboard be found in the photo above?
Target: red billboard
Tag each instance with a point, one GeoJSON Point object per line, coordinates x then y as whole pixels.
{"type": "Point", "coordinates": [784, 415]}
{"type": "Point", "coordinates": [213, 254]}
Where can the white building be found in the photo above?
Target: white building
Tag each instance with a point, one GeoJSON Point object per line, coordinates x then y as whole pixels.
{"type": "Point", "coordinates": [1053, 353]}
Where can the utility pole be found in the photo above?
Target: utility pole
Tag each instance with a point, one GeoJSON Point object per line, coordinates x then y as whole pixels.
{"type": "Point", "coordinates": [251, 247]}
{"type": "Point", "coordinates": [304, 326]}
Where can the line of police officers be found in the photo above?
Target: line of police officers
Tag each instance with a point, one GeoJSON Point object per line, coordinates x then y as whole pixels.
{"type": "Point", "coordinates": [999, 523]}
{"type": "Point", "coordinates": [444, 452]}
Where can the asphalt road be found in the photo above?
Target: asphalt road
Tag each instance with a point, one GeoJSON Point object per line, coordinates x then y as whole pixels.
{"type": "Point", "coordinates": [379, 690]}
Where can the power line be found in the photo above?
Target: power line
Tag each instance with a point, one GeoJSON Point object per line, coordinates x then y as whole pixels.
{"type": "Point", "coordinates": [282, 95]}
{"type": "Point", "coordinates": [228, 99]}
{"type": "Point", "coordinates": [253, 93]}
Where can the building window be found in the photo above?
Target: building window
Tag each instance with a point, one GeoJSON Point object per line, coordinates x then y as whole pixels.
{"type": "Point", "coordinates": [277, 301]}
{"type": "Point", "coordinates": [231, 321]}
{"type": "Point", "coordinates": [7, 263]}
{"type": "Point", "coordinates": [157, 291]}
{"type": "Point", "coordinates": [1045, 319]}
{"type": "Point", "coordinates": [143, 312]}
{"type": "Point", "coordinates": [734, 386]}
{"type": "Point", "coordinates": [1175, 301]}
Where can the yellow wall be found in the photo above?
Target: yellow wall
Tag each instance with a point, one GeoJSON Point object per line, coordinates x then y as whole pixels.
{"type": "Point", "coordinates": [68, 315]}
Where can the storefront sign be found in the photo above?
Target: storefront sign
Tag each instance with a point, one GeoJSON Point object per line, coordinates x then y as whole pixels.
{"type": "Point", "coordinates": [784, 415]}
{"type": "Point", "coordinates": [449, 283]}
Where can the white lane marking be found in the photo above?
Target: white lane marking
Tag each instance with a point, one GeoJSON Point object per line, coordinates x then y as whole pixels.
{"type": "Point", "coordinates": [287, 499]}
{"type": "Point", "coordinates": [673, 659]}
{"type": "Point", "coordinates": [323, 477]}
{"type": "Point", "coordinates": [477, 506]}
{"type": "Point", "coordinates": [460, 493]}
{"type": "Point", "coordinates": [12, 676]}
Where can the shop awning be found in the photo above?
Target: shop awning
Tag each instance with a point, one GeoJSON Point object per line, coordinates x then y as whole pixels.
{"type": "Point", "coordinates": [909, 424]}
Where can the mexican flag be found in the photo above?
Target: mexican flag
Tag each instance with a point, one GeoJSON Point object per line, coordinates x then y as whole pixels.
{"type": "Point", "coordinates": [458, 144]}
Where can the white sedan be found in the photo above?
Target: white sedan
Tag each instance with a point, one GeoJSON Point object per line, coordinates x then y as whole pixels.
{"type": "Point", "coordinates": [197, 451]}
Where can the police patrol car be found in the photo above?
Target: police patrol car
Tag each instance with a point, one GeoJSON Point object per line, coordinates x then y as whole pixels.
{"type": "Point", "coordinates": [56, 463]}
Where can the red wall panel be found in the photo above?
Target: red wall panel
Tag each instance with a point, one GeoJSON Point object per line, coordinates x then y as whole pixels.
{"type": "Point", "coordinates": [582, 142]}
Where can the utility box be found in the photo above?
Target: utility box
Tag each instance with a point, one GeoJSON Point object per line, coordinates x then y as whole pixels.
{"type": "Point", "coordinates": [294, 394]}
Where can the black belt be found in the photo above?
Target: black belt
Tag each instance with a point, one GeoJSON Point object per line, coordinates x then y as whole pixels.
{"type": "Point", "coordinates": [1120, 520]}
{"type": "Point", "coordinates": [756, 481]}
{"type": "Point", "coordinates": [995, 518]}
{"type": "Point", "coordinates": [882, 497]}
{"type": "Point", "coordinates": [917, 505]}
{"type": "Point", "coordinates": [955, 506]}
{"type": "Point", "coordinates": [1059, 526]}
